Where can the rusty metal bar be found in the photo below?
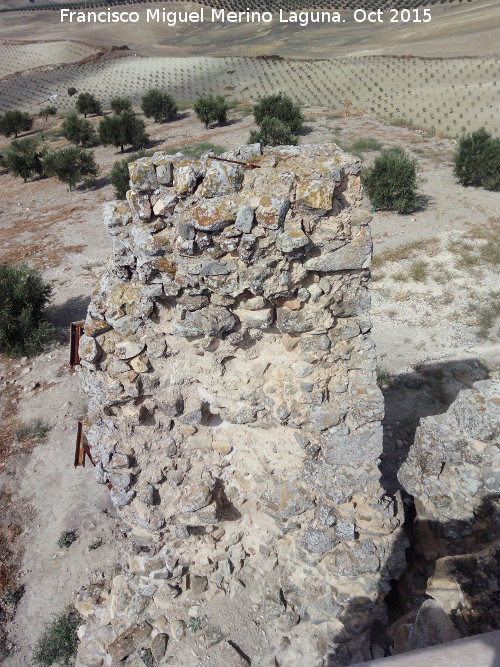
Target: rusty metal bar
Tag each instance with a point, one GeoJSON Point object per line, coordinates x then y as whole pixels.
{"type": "Point", "coordinates": [243, 164]}
{"type": "Point", "coordinates": [80, 447]}
{"type": "Point", "coordinates": [75, 332]}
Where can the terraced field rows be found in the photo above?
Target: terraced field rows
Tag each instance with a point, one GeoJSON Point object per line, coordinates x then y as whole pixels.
{"type": "Point", "coordinates": [451, 95]}
{"type": "Point", "coordinates": [21, 57]}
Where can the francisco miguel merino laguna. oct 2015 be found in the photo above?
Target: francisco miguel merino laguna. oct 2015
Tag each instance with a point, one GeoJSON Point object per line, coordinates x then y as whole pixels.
{"type": "Point", "coordinates": [302, 18]}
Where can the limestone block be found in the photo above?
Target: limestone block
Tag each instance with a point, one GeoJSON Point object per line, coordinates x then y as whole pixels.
{"type": "Point", "coordinates": [209, 321]}
{"type": "Point", "coordinates": [140, 204]}
{"type": "Point", "coordinates": [260, 319]}
{"type": "Point", "coordinates": [221, 178]}
{"type": "Point", "coordinates": [95, 326]}
{"type": "Point", "coordinates": [88, 349]}
{"type": "Point", "coordinates": [211, 215]}
{"type": "Point", "coordinates": [292, 238]}
{"type": "Point", "coordinates": [315, 194]}
{"type": "Point", "coordinates": [142, 174]}
{"type": "Point", "coordinates": [164, 168]}
{"type": "Point", "coordinates": [245, 219]}
{"type": "Point", "coordinates": [165, 204]}
{"type": "Point", "coordinates": [354, 255]}
{"type": "Point", "coordinates": [271, 211]}
{"type": "Point", "coordinates": [128, 349]}
{"type": "Point", "coordinates": [185, 179]}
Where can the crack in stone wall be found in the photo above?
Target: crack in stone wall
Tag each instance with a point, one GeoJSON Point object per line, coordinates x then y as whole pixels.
{"type": "Point", "coordinates": [234, 408]}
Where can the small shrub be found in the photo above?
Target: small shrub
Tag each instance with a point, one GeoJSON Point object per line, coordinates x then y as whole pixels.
{"type": "Point", "coordinates": [490, 253]}
{"type": "Point", "coordinates": [119, 104]}
{"type": "Point", "coordinates": [158, 105]}
{"type": "Point", "coordinates": [280, 107]}
{"type": "Point", "coordinates": [59, 642]}
{"type": "Point", "coordinates": [477, 160]}
{"type": "Point", "coordinates": [66, 539]}
{"type": "Point", "coordinates": [15, 121]}
{"type": "Point", "coordinates": [147, 657]}
{"type": "Point", "coordinates": [487, 312]}
{"type": "Point", "coordinates": [119, 176]}
{"type": "Point", "coordinates": [23, 297]}
{"type": "Point", "coordinates": [24, 158]}
{"type": "Point", "coordinates": [400, 277]}
{"type": "Point", "coordinates": [273, 132]}
{"type": "Point", "coordinates": [419, 271]}
{"type": "Point", "coordinates": [35, 430]}
{"type": "Point", "coordinates": [78, 130]}
{"type": "Point", "coordinates": [391, 183]}
{"type": "Point", "coordinates": [211, 109]}
{"type": "Point", "coordinates": [72, 91]}
{"type": "Point", "coordinates": [86, 103]}
{"type": "Point", "coordinates": [12, 596]}
{"type": "Point", "coordinates": [384, 378]}
{"type": "Point", "coordinates": [47, 111]}
{"type": "Point", "coordinates": [95, 545]}
{"type": "Point", "coordinates": [194, 624]}
{"type": "Point", "coordinates": [402, 122]}
{"type": "Point", "coordinates": [71, 165]}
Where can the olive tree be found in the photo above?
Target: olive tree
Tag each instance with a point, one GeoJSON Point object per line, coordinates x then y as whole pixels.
{"type": "Point", "coordinates": [273, 132]}
{"type": "Point", "coordinates": [281, 107]}
{"type": "Point", "coordinates": [86, 103]}
{"type": "Point", "coordinates": [71, 165]}
{"type": "Point", "coordinates": [158, 105]}
{"type": "Point", "coordinates": [15, 121]}
{"type": "Point", "coordinates": [47, 111]}
{"type": "Point", "coordinates": [78, 130]}
{"type": "Point", "coordinates": [119, 104]}
{"type": "Point", "coordinates": [211, 109]}
{"type": "Point", "coordinates": [24, 158]}
{"type": "Point", "coordinates": [123, 129]}
{"type": "Point", "coordinates": [477, 160]}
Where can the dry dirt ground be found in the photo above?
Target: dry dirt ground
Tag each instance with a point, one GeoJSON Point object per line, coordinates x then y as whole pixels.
{"type": "Point", "coordinates": [426, 332]}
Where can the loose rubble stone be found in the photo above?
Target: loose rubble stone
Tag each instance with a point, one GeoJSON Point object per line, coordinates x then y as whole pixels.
{"type": "Point", "coordinates": [221, 178]}
{"type": "Point", "coordinates": [244, 219]}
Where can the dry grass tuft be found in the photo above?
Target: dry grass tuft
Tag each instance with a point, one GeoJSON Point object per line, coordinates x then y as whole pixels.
{"type": "Point", "coordinates": [407, 251]}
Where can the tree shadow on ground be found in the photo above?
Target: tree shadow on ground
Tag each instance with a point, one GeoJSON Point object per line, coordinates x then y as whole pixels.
{"type": "Point", "coordinates": [72, 310]}
{"type": "Point", "coordinates": [97, 184]}
{"type": "Point", "coordinates": [306, 129]}
{"type": "Point", "coordinates": [229, 122]}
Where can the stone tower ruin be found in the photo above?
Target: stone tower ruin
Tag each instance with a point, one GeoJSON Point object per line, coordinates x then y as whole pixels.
{"type": "Point", "coordinates": [234, 409]}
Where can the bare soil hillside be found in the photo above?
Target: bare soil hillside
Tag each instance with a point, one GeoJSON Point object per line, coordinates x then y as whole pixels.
{"type": "Point", "coordinates": [457, 29]}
